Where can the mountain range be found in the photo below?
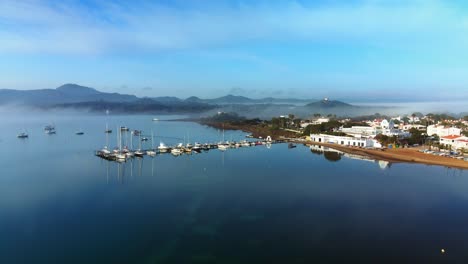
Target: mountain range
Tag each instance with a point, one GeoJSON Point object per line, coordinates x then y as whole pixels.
{"type": "Point", "coordinates": [81, 97]}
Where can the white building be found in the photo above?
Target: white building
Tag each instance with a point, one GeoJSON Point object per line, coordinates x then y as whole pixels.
{"type": "Point", "coordinates": [346, 141]}
{"type": "Point", "coordinates": [455, 142]}
{"type": "Point", "coordinates": [387, 129]}
{"type": "Point", "coordinates": [442, 131]}
{"type": "Point", "coordinates": [320, 120]}
{"type": "Point", "coordinates": [408, 127]}
{"type": "Point", "coordinates": [358, 131]}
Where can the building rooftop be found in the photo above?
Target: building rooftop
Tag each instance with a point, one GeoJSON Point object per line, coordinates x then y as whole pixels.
{"type": "Point", "coordinates": [451, 137]}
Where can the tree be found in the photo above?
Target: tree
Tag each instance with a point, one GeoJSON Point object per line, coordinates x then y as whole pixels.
{"type": "Point", "coordinates": [416, 137]}
{"type": "Point", "coordinates": [317, 115]}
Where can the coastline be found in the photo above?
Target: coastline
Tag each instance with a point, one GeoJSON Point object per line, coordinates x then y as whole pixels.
{"type": "Point", "coordinates": [406, 155]}
{"type": "Point", "coordinates": [400, 155]}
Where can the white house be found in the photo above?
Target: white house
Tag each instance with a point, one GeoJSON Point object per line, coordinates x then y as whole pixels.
{"type": "Point", "coordinates": [443, 131]}
{"type": "Point", "coordinates": [346, 141]}
{"type": "Point", "coordinates": [455, 142]}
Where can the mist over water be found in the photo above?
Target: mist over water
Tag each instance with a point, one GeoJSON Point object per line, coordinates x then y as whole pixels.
{"type": "Point", "coordinates": [435, 107]}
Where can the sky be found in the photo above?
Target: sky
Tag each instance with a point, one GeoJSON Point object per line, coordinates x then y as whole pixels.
{"type": "Point", "coordinates": [352, 50]}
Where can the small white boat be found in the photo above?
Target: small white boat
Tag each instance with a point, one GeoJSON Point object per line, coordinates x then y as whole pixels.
{"type": "Point", "coordinates": [176, 151]}
{"type": "Point", "coordinates": [151, 153]}
{"type": "Point", "coordinates": [223, 147]}
{"type": "Point", "coordinates": [155, 119]}
{"type": "Point", "coordinates": [197, 147]}
{"type": "Point", "coordinates": [163, 148]}
{"type": "Point", "coordinates": [245, 144]}
{"type": "Point", "coordinates": [139, 153]}
{"type": "Point", "coordinates": [120, 157]}
{"type": "Point", "coordinates": [105, 150]}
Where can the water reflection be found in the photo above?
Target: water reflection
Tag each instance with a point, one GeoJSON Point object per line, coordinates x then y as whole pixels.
{"type": "Point", "coordinates": [334, 155]}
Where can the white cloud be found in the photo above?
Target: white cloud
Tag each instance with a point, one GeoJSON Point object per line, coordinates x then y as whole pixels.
{"type": "Point", "coordinates": [38, 26]}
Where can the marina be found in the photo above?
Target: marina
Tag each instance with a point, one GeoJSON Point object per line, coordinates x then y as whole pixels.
{"type": "Point", "coordinates": [122, 153]}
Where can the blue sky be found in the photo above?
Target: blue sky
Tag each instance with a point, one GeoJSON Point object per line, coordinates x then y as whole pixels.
{"type": "Point", "coordinates": [352, 50]}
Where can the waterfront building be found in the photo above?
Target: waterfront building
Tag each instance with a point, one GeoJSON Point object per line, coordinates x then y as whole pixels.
{"type": "Point", "coordinates": [443, 131]}
{"type": "Point", "coordinates": [455, 142]}
{"type": "Point", "coordinates": [340, 140]}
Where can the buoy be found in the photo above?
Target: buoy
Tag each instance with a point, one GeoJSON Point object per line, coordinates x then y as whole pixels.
{"type": "Point", "coordinates": [442, 251]}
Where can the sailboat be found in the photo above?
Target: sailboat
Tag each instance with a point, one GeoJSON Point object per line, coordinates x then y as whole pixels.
{"type": "Point", "coordinates": [107, 131]}
{"type": "Point", "coordinates": [119, 156]}
{"type": "Point", "coordinates": [222, 145]}
{"type": "Point", "coordinates": [139, 152]}
{"type": "Point", "coordinates": [151, 152]}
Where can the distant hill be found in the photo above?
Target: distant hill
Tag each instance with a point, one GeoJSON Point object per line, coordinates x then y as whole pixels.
{"type": "Point", "coordinates": [87, 98]}
{"type": "Point", "coordinates": [167, 99]}
{"type": "Point", "coordinates": [325, 103]}
{"type": "Point", "coordinates": [145, 105]}
{"type": "Point", "coordinates": [67, 93]}
{"type": "Point", "coordinates": [236, 99]}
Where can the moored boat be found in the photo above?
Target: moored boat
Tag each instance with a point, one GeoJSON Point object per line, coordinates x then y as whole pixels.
{"type": "Point", "coordinates": [23, 135]}
{"type": "Point", "coordinates": [163, 148]}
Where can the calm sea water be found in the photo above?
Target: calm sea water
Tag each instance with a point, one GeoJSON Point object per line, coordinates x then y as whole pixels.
{"type": "Point", "coordinates": [61, 204]}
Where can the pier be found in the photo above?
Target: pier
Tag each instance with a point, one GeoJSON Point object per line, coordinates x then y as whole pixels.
{"type": "Point", "coordinates": [123, 154]}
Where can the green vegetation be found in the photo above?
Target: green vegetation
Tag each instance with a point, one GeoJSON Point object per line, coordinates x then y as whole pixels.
{"type": "Point", "coordinates": [324, 128]}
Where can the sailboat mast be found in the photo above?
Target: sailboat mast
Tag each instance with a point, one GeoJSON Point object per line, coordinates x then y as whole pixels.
{"type": "Point", "coordinates": [139, 140]}
{"type": "Point", "coordinates": [107, 136]}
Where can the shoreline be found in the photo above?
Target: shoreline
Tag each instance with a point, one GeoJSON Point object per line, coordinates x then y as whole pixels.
{"type": "Point", "coordinates": [404, 155]}
{"type": "Point", "coordinates": [400, 155]}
